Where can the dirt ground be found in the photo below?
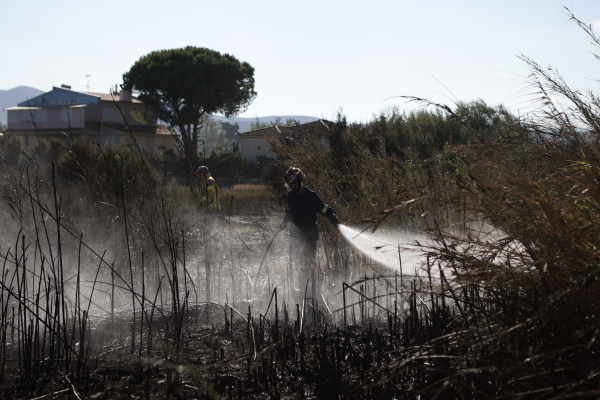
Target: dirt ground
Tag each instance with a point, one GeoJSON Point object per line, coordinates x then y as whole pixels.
{"type": "Point", "coordinates": [220, 361]}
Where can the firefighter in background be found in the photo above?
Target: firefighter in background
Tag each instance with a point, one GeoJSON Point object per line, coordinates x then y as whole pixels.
{"type": "Point", "coordinates": [302, 207]}
{"type": "Point", "coordinates": [209, 202]}
{"type": "Point", "coordinates": [209, 193]}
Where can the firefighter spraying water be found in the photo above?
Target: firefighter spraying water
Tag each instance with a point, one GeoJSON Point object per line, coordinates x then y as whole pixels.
{"type": "Point", "coordinates": [301, 209]}
{"type": "Point", "coordinates": [302, 206]}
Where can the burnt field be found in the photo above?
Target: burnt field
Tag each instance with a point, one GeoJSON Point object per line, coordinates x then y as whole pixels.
{"type": "Point", "coordinates": [106, 294]}
{"type": "Point", "coordinates": [188, 315]}
{"type": "Point", "coordinates": [197, 320]}
{"type": "Point", "coordinates": [119, 286]}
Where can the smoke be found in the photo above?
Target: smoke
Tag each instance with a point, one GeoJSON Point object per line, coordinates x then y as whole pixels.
{"type": "Point", "coordinates": [388, 249]}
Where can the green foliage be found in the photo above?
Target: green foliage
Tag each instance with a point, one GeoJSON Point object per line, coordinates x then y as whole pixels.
{"type": "Point", "coordinates": [183, 85]}
{"type": "Point", "coordinates": [228, 165]}
{"type": "Point", "coordinates": [44, 149]}
{"type": "Point", "coordinates": [483, 121]}
{"type": "Point", "coordinates": [212, 138]}
{"type": "Point", "coordinates": [143, 115]}
{"type": "Point", "coordinates": [232, 165]}
{"type": "Point", "coordinates": [101, 168]}
{"type": "Point", "coordinates": [10, 150]}
{"type": "Point", "coordinates": [278, 121]}
{"type": "Point", "coordinates": [165, 154]}
{"type": "Point", "coordinates": [425, 132]}
{"type": "Point", "coordinates": [230, 130]}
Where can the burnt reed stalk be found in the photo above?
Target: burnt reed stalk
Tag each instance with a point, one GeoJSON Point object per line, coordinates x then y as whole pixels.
{"type": "Point", "coordinates": [142, 306]}
{"type": "Point", "coordinates": [61, 276]}
{"type": "Point", "coordinates": [133, 299]}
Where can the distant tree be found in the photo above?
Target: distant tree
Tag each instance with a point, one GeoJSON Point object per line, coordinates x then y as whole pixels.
{"type": "Point", "coordinates": [10, 150]}
{"type": "Point", "coordinates": [183, 85]}
{"type": "Point", "coordinates": [482, 119]}
{"type": "Point", "coordinates": [231, 130]}
{"type": "Point", "coordinates": [211, 135]}
{"type": "Point", "coordinates": [258, 125]}
{"type": "Point", "coordinates": [278, 121]}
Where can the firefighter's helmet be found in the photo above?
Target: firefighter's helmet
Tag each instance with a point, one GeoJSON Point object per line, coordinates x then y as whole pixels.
{"type": "Point", "coordinates": [202, 170]}
{"type": "Point", "coordinates": [294, 174]}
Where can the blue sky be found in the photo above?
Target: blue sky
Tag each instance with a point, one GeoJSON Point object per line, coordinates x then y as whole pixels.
{"type": "Point", "coordinates": [311, 57]}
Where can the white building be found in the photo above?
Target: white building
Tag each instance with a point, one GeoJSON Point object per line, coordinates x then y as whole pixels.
{"type": "Point", "coordinates": [63, 113]}
{"type": "Point", "coordinates": [256, 143]}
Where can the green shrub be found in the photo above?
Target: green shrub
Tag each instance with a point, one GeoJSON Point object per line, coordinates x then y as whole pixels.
{"type": "Point", "coordinates": [10, 150]}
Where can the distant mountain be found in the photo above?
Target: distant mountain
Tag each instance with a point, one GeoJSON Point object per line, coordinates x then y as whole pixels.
{"type": "Point", "coordinates": [12, 97]}
{"type": "Point", "coordinates": [245, 123]}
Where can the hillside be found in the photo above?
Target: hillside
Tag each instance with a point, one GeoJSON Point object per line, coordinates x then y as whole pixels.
{"type": "Point", "coordinates": [12, 97]}
{"type": "Point", "coordinates": [245, 123]}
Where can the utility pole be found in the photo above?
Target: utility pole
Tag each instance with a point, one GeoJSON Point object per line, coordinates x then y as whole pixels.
{"type": "Point", "coordinates": [88, 82]}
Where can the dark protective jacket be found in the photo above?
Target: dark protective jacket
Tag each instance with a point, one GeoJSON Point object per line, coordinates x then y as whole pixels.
{"type": "Point", "coordinates": [302, 209]}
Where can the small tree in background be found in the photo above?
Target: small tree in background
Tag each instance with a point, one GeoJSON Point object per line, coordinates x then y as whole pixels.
{"type": "Point", "coordinates": [278, 121]}
{"type": "Point", "coordinates": [231, 130]}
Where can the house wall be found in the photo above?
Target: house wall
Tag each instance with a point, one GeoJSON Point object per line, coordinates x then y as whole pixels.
{"type": "Point", "coordinates": [93, 113]}
{"type": "Point", "coordinates": [17, 118]}
{"type": "Point", "coordinates": [85, 117]}
{"type": "Point", "coordinates": [250, 147]}
{"type": "Point", "coordinates": [46, 118]}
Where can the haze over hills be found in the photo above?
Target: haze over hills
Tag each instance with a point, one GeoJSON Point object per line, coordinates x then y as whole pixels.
{"type": "Point", "coordinates": [245, 123]}
{"type": "Point", "coordinates": [12, 97]}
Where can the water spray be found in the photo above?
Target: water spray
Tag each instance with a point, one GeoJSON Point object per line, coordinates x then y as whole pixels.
{"type": "Point", "coordinates": [383, 248]}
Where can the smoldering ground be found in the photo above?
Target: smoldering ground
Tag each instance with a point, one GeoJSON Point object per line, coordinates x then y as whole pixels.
{"type": "Point", "coordinates": [130, 295]}
{"type": "Point", "coordinates": [90, 287]}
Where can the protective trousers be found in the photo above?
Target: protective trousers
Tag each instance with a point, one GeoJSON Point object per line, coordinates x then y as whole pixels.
{"type": "Point", "coordinates": [304, 250]}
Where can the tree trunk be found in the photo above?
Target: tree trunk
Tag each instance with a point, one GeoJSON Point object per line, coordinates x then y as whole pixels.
{"type": "Point", "coordinates": [194, 146]}
{"type": "Point", "coordinates": [184, 137]}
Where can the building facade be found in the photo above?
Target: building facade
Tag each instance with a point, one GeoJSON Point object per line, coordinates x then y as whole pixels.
{"type": "Point", "coordinates": [256, 143]}
{"type": "Point", "coordinates": [67, 114]}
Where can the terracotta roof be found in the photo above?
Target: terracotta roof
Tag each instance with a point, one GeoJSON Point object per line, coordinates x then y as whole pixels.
{"type": "Point", "coordinates": [316, 127]}
{"type": "Point", "coordinates": [109, 97]}
{"type": "Point", "coordinates": [268, 131]}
